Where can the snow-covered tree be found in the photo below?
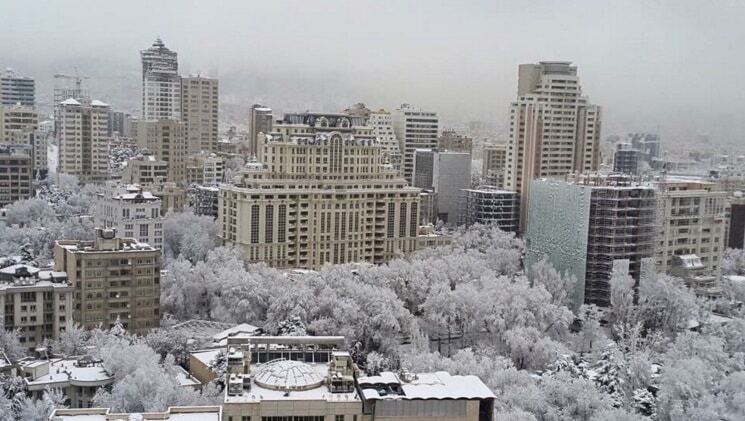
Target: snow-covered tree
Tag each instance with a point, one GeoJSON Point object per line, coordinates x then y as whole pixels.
{"type": "Point", "coordinates": [733, 262]}
{"type": "Point", "coordinates": [72, 341]}
{"type": "Point", "coordinates": [189, 236]}
{"type": "Point", "coordinates": [10, 344]}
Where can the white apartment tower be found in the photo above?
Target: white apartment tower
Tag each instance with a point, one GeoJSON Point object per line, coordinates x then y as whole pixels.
{"type": "Point", "coordinates": [554, 131]}
{"type": "Point", "coordinates": [161, 84]}
{"type": "Point", "coordinates": [382, 123]}
{"type": "Point", "coordinates": [199, 100]}
{"type": "Point", "coordinates": [84, 144]}
{"type": "Point", "coordinates": [415, 129]}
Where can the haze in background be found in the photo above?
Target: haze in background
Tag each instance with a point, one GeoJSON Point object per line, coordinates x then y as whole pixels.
{"type": "Point", "coordinates": [668, 66]}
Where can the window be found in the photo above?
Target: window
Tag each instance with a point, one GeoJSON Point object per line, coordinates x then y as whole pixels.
{"type": "Point", "coordinates": [391, 223]}
{"type": "Point", "coordinates": [269, 224]}
{"type": "Point", "coordinates": [255, 224]}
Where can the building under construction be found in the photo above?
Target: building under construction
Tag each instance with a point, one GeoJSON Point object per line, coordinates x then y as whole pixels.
{"type": "Point", "coordinates": [587, 226]}
{"type": "Point", "coordinates": [489, 205]}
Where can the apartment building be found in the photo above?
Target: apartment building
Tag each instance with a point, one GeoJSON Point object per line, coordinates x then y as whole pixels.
{"type": "Point", "coordinates": [145, 169]}
{"type": "Point", "coordinates": [16, 174]}
{"type": "Point", "coordinates": [114, 279]}
{"type": "Point", "coordinates": [322, 195]}
{"type": "Point", "coordinates": [494, 164]}
{"type": "Point", "coordinates": [131, 211]}
{"type": "Point", "coordinates": [17, 122]}
{"type": "Point", "coordinates": [381, 122]}
{"type": "Point", "coordinates": [161, 83]}
{"type": "Point", "coordinates": [554, 130]}
{"type": "Point", "coordinates": [83, 142]}
{"type": "Point", "coordinates": [204, 169]}
{"type": "Point", "coordinates": [692, 221]}
{"type": "Point", "coordinates": [589, 226]}
{"type": "Point", "coordinates": [37, 303]}
{"type": "Point", "coordinates": [451, 141]}
{"type": "Point", "coordinates": [79, 378]}
{"type": "Point", "coordinates": [259, 121]}
{"type": "Point", "coordinates": [414, 129]}
{"type": "Point", "coordinates": [199, 112]}
{"type": "Point", "coordinates": [626, 159]}
{"type": "Point", "coordinates": [15, 89]}
{"type": "Point", "coordinates": [166, 140]}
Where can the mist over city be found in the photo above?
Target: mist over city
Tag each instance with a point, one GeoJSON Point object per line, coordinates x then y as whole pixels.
{"type": "Point", "coordinates": [372, 210]}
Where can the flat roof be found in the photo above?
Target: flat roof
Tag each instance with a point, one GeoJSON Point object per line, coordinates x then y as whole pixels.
{"type": "Point", "coordinates": [438, 385]}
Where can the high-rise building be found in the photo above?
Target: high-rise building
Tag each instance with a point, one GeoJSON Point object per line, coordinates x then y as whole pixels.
{"type": "Point", "coordinates": [115, 279]}
{"type": "Point", "coordinates": [164, 139]}
{"type": "Point", "coordinates": [487, 205]}
{"type": "Point", "coordinates": [736, 234]}
{"type": "Point", "coordinates": [323, 195]}
{"type": "Point", "coordinates": [161, 83]}
{"type": "Point", "coordinates": [590, 226]}
{"type": "Point", "coordinates": [493, 164]}
{"type": "Point", "coordinates": [16, 174]}
{"type": "Point", "coordinates": [554, 130]}
{"type": "Point", "coordinates": [37, 303]}
{"type": "Point", "coordinates": [414, 129]}
{"type": "Point", "coordinates": [84, 144]}
{"type": "Point", "coordinates": [260, 121]}
{"type": "Point", "coordinates": [647, 144]}
{"type": "Point", "coordinates": [119, 123]}
{"type": "Point", "coordinates": [199, 105]}
{"type": "Point", "coordinates": [451, 141]}
{"type": "Point", "coordinates": [16, 122]}
{"type": "Point", "coordinates": [692, 215]}
{"type": "Point", "coordinates": [16, 89]}
{"type": "Point", "coordinates": [447, 174]}
{"type": "Point", "coordinates": [382, 125]}
{"type": "Point", "coordinates": [131, 211]}
{"type": "Point", "coordinates": [626, 159]}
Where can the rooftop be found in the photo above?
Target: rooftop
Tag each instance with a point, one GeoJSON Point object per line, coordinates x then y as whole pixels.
{"type": "Point", "coordinates": [438, 385]}
{"type": "Point", "coordinates": [64, 372]}
{"type": "Point", "coordinates": [175, 413]}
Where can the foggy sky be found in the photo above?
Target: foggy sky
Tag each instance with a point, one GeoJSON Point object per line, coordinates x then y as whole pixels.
{"type": "Point", "coordinates": [673, 65]}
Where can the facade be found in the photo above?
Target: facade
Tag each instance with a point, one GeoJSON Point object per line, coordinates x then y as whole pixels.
{"type": "Point", "coordinates": [736, 235]}
{"type": "Point", "coordinates": [626, 159]}
{"type": "Point", "coordinates": [260, 121]}
{"type": "Point", "coordinates": [689, 268]}
{"type": "Point", "coordinates": [493, 164]}
{"type": "Point", "coordinates": [554, 130]}
{"type": "Point", "coordinates": [16, 174]}
{"type": "Point", "coordinates": [446, 173]}
{"type": "Point", "coordinates": [323, 195]}
{"type": "Point", "coordinates": [174, 413]}
{"type": "Point", "coordinates": [38, 142]}
{"type": "Point", "coordinates": [204, 169]}
{"type": "Point", "coordinates": [164, 139]}
{"type": "Point", "coordinates": [172, 197]}
{"type": "Point", "coordinates": [79, 378]}
{"type": "Point", "coordinates": [451, 141]}
{"type": "Point", "coordinates": [488, 205]}
{"type": "Point", "coordinates": [161, 83]}
{"type": "Point", "coordinates": [381, 122]}
{"type": "Point", "coordinates": [204, 200]}
{"type": "Point", "coordinates": [15, 89]}
{"type": "Point", "coordinates": [83, 142]}
{"type": "Point", "coordinates": [145, 169]}
{"type": "Point", "coordinates": [199, 105]}
{"type": "Point", "coordinates": [692, 221]}
{"type": "Point", "coordinates": [588, 227]}
{"type": "Point", "coordinates": [114, 278]}
{"type": "Point", "coordinates": [132, 212]}
{"type": "Point", "coordinates": [414, 129]}
{"type": "Point", "coordinates": [307, 378]}
{"type": "Point", "coordinates": [37, 303]}
{"type": "Point", "coordinates": [119, 123]}
{"type": "Point", "coordinates": [648, 145]}
{"type": "Point", "coordinates": [17, 122]}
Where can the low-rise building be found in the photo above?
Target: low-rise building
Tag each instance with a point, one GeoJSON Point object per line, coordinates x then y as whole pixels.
{"type": "Point", "coordinates": [174, 413]}
{"type": "Point", "coordinates": [132, 212]}
{"type": "Point", "coordinates": [204, 169]}
{"type": "Point", "coordinates": [37, 303]}
{"type": "Point", "coordinates": [690, 269]}
{"type": "Point", "coordinates": [493, 164]}
{"type": "Point", "coordinates": [145, 169]}
{"type": "Point", "coordinates": [114, 279]}
{"type": "Point", "coordinates": [488, 205]}
{"type": "Point", "coordinates": [451, 141]}
{"type": "Point", "coordinates": [204, 200]}
{"type": "Point", "coordinates": [79, 378]}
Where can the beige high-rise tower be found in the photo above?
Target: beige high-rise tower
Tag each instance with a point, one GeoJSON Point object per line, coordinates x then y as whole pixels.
{"type": "Point", "coordinates": [199, 99]}
{"type": "Point", "coordinates": [164, 139]}
{"type": "Point", "coordinates": [84, 142]}
{"type": "Point", "coordinates": [554, 130]}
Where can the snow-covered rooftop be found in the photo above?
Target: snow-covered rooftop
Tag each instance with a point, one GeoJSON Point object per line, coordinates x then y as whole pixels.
{"type": "Point", "coordinates": [439, 385]}
{"type": "Point", "coordinates": [238, 331]}
{"type": "Point", "coordinates": [70, 101]}
{"type": "Point", "coordinates": [65, 372]}
{"type": "Point", "coordinates": [175, 413]}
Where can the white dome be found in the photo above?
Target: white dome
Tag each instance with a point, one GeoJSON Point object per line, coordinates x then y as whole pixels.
{"type": "Point", "coordinates": [288, 375]}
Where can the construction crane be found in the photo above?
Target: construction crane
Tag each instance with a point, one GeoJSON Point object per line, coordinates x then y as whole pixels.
{"type": "Point", "coordinates": [76, 77]}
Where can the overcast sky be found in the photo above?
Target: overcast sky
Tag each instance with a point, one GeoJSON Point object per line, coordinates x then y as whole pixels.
{"type": "Point", "coordinates": [676, 65]}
